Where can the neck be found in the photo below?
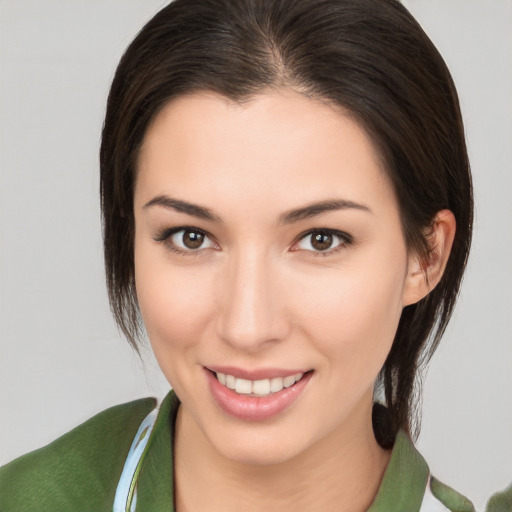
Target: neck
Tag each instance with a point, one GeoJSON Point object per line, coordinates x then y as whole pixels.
{"type": "Point", "coordinates": [342, 472]}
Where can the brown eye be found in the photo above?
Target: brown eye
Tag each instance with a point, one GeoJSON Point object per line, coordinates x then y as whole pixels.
{"type": "Point", "coordinates": [187, 240]}
{"type": "Point", "coordinates": [192, 239]}
{"type": "Point", "coordinates": [321, 241]}
{"type": "Point", "coordinates": [324, 241]}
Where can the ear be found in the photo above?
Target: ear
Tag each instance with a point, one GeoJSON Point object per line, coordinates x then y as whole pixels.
{"type": "Point", "coordinates": [423, 274]}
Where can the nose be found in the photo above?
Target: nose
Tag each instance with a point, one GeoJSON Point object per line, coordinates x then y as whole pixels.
{"type": "Point", "coordinates": [251, 312]}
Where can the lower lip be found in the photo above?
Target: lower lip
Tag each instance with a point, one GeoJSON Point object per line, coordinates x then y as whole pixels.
{"type": "Point", "coordinates": [255, 408]}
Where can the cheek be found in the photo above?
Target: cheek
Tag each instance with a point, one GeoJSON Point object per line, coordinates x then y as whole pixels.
{"type": "Point", "coordinates": [174, 301]}
{"type": "Point", "coordinates": [353, 314]}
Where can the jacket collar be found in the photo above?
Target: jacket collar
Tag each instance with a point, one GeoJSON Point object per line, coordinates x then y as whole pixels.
{"type": "Point", "coordinates": [404, 481]}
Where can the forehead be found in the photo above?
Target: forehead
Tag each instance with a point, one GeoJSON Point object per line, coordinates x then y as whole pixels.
{"type": "Point", "coordinates": [279, 147]}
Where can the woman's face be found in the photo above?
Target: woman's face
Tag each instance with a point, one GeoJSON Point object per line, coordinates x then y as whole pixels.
{"type": "Point", "coordinates": [268, 248]}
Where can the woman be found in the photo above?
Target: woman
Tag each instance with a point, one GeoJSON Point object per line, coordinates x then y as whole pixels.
{"type": "Point", "coordinates": [287, 200]}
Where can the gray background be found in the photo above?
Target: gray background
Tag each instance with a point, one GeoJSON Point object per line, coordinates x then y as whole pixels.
{"type": "Point", "coordinates": [61, 357]}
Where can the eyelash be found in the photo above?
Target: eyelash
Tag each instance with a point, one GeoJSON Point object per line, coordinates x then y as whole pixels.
{"type": "Point", "coordinates": [344, 238]}
{"type": "Point", "coordinates": [166, 234]}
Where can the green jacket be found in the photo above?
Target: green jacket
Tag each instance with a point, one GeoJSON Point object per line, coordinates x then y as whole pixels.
{"type": "Point", "coordinates": [79, 472]}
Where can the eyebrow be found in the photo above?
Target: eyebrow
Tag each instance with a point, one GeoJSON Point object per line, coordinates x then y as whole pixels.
{"type": "Point", "coordinates": [288, 217]}
{"type": "Point", "coordinates": [195, 210]}
{"type": "Point", "coordinates": [314, 209]}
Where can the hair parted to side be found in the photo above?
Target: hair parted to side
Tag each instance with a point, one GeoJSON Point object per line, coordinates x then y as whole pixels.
{"type": "Point", "coordinates": [369, 57]}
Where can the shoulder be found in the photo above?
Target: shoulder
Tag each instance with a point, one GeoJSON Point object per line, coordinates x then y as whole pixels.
{"type": "Point", "coordinates": [80, 467]}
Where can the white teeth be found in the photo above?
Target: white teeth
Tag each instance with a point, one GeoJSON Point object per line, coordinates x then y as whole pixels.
{"type": "Point", "coordinates": [230, 381]}
{"type": "Point", "coordinates": [276, 384]}
{"type": "Point", "coordinates": [261, 387]}
{"type": "Point", "coordinates": [258, 387]}
{"type": "Point", "coordinates": [288, 381]}
{"type": "Point", "coordinates": [243, 386]}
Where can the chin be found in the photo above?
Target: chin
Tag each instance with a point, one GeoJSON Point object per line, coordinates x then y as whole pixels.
{"type": "Point", "coordinates": [259, 448]}
{"type": "Point", "coordinates": [260, 455]}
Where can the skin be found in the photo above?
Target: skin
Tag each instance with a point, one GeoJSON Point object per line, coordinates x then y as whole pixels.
{"type": "Point", "coordinates": [258, 294]}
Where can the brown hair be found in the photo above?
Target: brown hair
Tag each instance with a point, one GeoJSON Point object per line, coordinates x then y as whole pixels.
{"type": "Point", "coordinates": [368, 56]}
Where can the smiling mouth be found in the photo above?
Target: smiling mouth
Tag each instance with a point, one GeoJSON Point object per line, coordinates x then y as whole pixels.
{"type": "Point", "coordinates": [259, 388]}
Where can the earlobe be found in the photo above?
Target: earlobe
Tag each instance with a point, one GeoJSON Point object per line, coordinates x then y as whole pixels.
{"type": "Point", "coordinates": [424, 273]}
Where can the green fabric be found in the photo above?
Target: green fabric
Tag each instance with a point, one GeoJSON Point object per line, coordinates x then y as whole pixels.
{"type": "Point", "coordinates": [501, 502]}
{"type": "Point", "coordinates": [452, 499]}
{"type": "Point", "coordinates": [404, 480]}
{"type": "Point", "coordinates": [79, 472]}
{"type": "Point", "coordinates": [155, 486]}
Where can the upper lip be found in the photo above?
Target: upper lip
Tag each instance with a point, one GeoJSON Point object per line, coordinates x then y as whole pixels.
{"type": "Point", "coordinates": [256, 373]}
